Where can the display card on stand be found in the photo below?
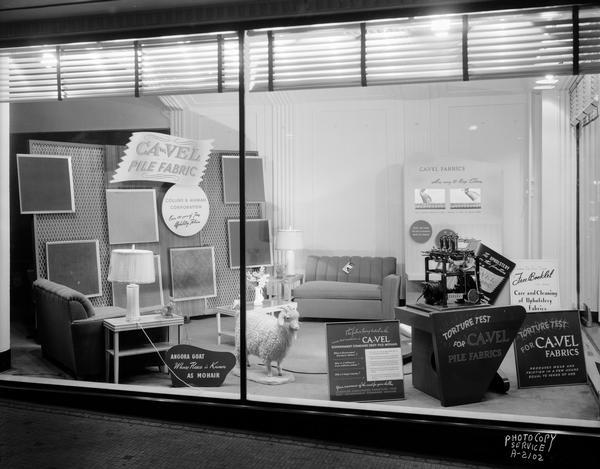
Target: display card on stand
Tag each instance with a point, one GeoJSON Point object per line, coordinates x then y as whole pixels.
{"type": "Point", "coordinates": [549, 350]}
{"type": "Point", "coordinates": [365, 361]}
{"type": "Point", "coordinates": [494, 270]}
{"type": "Point", "coordinates": [534, 285]}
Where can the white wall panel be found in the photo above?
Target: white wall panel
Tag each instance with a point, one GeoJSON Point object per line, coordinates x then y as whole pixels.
{"type": "Point", "coordinates": [558, 192]}
{"type": "Point", "coordinates": [344, 194]}
{"type": "Point", "coordinates": [334, 162]}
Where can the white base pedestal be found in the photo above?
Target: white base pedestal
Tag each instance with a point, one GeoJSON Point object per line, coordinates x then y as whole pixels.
{"type": "Point", "coordinates": [259, 375]}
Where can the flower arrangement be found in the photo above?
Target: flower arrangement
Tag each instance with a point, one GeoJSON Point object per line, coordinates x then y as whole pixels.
{"type": "Point", "coordinates": [259, 277]}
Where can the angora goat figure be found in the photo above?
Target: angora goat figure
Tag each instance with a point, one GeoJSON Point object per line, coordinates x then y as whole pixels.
{"type": "Point", "coordinates": [267, 336]}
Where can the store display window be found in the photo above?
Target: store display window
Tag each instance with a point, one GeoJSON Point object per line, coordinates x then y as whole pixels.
{"type": "Point", "coordinates": [414, 232]}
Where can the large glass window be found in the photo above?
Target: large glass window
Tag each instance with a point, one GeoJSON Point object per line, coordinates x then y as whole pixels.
{"type": "Point", "coordinates": [424, 245]}
{"type": "Point", "coordinates": [367, 176]}
{"type": "Point", "coordinates": [118, 201]}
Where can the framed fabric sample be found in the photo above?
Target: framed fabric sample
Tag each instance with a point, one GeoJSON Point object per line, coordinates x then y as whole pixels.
{"type": "Point", "coordinates": [45, 184]}
{"type": "Point", "coordinates": [132, 216]}
{"type": "Point", "coordinates": [151, 294]}
{"type": "Point", "coordinates": [255, 181]}
{"type": "Point", "coordinates": [193, 273]}
{"type": "Point", "coordinates": [259, 249]}
{"type": "Point", "coordinates": [75, 264]}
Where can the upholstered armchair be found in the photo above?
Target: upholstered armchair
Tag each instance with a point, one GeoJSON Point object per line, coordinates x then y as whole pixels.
{"type": "Point", "coordinates": [71, 330]}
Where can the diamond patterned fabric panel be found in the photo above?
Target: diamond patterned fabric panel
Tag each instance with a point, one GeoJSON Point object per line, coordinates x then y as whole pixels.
{"type": "Point", "coordinates": [215, 231]}
{"type": "Point", "coordinates": [89, 220]}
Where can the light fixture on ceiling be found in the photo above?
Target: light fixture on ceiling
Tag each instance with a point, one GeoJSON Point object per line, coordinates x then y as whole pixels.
{"type": "Point", "coordinates": [547, 80]}
{"type": "Point", "coordinates": [546, 83]}
{"type": "Point", "coordinates": [48, 59]}
{"type": "Point", "coordinates": [440, 27]}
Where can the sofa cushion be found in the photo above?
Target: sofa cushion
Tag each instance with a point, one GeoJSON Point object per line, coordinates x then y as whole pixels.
{"type": "Point", "coordinates": [352, 269]}
{"type": "Point", "coordinates": [325, 289]}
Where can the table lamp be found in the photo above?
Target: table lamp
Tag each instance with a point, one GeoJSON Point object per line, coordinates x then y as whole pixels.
{"type": "Point", "coordinates": [289, 241]}
{"type": "Point", "coordinates": [132, 266]}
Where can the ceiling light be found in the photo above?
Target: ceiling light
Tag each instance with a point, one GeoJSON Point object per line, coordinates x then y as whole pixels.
{"type": "Point", "coordinates": [48, 59]}
{"type": "Point", "coordinates": [547, 80]}
{"type": "Point", "coordinates": [440, 26]}
{"type": "Point", "coordinates": [543, 87]}
{"type": "Point", "coordinates": [473, 127]}
{"type": "Point", "coordinates": [548, 15]}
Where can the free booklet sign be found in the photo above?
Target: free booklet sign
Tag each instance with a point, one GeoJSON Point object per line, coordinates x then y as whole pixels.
{"type": "Point", "coordinates": [534, 285]}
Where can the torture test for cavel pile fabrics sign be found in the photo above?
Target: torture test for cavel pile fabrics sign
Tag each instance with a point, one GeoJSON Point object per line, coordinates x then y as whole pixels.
{"type": "Point", "coordinates": [151, 156]}
{"type": "Point", "coordinates": [365, 361]}
{"type": "Point", "coordinates": [469, 347]}
{"type": "Point", "coordinates": [549, 351]}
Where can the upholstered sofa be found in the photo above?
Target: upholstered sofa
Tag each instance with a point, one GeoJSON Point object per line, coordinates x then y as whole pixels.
{"type": "Point", "coordinates": [71, 331]}
{"type": "Point", "coordinates": [348, 287]}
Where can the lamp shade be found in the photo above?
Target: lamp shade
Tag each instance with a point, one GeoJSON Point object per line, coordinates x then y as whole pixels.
{"type": "Point", "coordinates": [131, 266]}
{"type": "Point", "coordinates": [289, 240]}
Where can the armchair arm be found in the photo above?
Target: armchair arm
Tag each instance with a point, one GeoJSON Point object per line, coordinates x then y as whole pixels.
{"type": "Point", "coordinates": [390, 295]}
{"type": "Point", "coordinates": [88, 346]}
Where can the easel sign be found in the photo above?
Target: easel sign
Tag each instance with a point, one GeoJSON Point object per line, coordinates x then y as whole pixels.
{"type": "Point", "coordinates": [549, 350]}
{"type": "Point", "coordinates": [534, 284]}
{"type": "Point", "coordinates": [365, 361]}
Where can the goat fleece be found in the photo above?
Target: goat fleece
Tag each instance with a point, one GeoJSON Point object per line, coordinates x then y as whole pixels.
{"type": "Point", "coordinates": [267, 336]}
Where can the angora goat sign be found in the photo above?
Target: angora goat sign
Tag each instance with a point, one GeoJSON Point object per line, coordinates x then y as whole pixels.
{"type": "Point", "coordinates": [193, 366]}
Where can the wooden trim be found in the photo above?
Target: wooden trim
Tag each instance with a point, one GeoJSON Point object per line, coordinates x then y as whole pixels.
{"type": "Point", "coordinates": [5, 360]}
{"type": "Point", "coordinates": [363, 54]}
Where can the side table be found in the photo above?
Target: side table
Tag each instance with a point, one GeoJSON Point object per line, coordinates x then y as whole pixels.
{"type": "Point", "coordinates": [283, 285]}
{"type": "Point", "coordinates": [115, 326]}
{"type": "Point", "coordinates": [267, 307]}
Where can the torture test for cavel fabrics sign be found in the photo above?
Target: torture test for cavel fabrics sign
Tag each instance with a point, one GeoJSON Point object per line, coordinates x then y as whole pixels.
{"type": "Point", "coordinates": [365, 361]}
{"type": "Point", "coordinates": [549, 351]}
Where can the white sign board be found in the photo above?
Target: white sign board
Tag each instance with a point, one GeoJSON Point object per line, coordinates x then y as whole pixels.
{"type": "Point", "coordinates": [534, 285]}
{"type": "Point", "coordinates": [185, 209]}
{"type": "Point", "coordinates": [152, 156]}
{"type": "Point", "coordinates": [442, 196]}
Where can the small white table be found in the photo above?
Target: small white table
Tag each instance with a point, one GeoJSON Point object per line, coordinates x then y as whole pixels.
{"type": "Point", "coordinates": [282, 286]}
{"type": "Point", "coordinates": [267, 307]}
{"type": "Point", "coordinates": [115, 326]}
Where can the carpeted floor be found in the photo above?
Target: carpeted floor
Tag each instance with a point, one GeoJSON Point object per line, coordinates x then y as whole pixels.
{"type": "Point", "coordinates": [307, 360]}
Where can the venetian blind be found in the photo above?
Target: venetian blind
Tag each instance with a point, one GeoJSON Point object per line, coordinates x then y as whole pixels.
{"type": "Point", "coordinates": [89, 70]}
{"type": "Point", "coordinates": [414, 50]}
{"type": "Point", "coordinates": [518, 44]}
{"type": "Point", "coordinates": [405, 50]}
{"type": "Point", "coordinates": [198, 64]}
{"type": "Point", "coordinates": [182, 65]}
{"type": "Point", "coordinates": [308, 57]}
{"type": "Point", "coordinates": [29, 74]}
{"type": "Point", "coordinates": [589, 40]}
